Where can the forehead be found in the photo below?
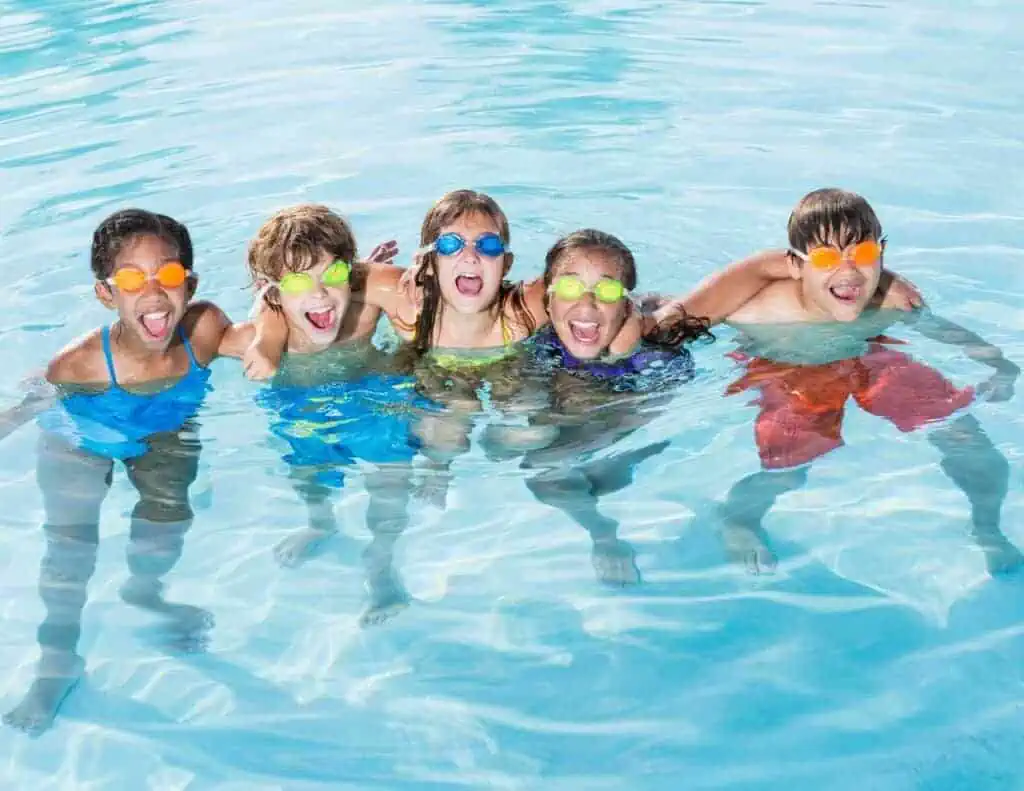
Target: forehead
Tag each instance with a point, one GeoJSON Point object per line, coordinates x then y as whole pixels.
{"type": "Point", "coordinates": [590, 261]}
{"type": "Point", "coordinates": [840, 236]}
{"type": "Point", "coordinates": [472, 224]}
{"type": "Point", "coordinates": [145, 250]}
{"type": "Point", "coordinates": [320, 259]}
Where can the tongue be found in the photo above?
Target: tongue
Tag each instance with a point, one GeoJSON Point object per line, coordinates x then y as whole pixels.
{"type": "Point", "coordinates": [584, 333]}
{"type": "Point", "coordinates": [322, 320]}
{"type": "Point", "coordinates": [469, 285]}
{"type": "Point", "coordinates": [846, 293]}
{"type": "Point", "coordinates": [156, 326]}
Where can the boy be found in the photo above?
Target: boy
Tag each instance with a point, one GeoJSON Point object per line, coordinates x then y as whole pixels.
{"type": "Point", "coordinates": [805, 374]}
{"type": "Point", "coordinates": [329, 406]}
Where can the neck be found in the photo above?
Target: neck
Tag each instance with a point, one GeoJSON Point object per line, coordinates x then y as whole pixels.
{"type": "Point", "coordinates": [131, 346]}
{"type": "Point", "coordinates": [468, 330]}
{"type": "Point", "coordinates": [299, 343]}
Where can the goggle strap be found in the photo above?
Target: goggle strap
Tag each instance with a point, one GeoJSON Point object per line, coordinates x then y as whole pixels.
{"type": "Point", "coordinates": [254, 311]}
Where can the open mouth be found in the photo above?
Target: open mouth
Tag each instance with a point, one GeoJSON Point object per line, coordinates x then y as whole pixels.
{"type": "Point", "coordinates": [156, 325]}
{"type": "Point", "coordinates": [469, 285]}
{"type": "Point", "coordinates": [585, 332]}
{"type": "Point", "coordinates": [846, 293]}
{"type": "Point", "coordinates": [321, 319]}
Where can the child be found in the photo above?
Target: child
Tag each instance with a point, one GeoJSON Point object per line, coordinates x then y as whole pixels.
{"type": "Point", "coordinates": [128, 391]}
{"type": "Point", "coordinates": [303, 262]}
{"type": "Point", "coordinates": [588, 277]}
{"type": "Point", "coordinates": [836, 261]}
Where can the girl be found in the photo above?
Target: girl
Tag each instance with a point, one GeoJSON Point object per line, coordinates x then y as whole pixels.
{"type": "Point", "coordinates": [588, 277]}
{"type": "Point", "coordinates": [126, 392]}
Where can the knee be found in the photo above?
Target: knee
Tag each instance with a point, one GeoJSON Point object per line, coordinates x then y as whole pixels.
{"type": "Point", "coordinates": [163, 510]}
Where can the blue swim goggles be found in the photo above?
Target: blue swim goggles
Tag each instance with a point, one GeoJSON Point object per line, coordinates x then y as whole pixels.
{"type": "Point", "coordinates": [488, 244]}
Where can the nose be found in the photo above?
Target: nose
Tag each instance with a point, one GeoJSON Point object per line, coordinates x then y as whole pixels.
{"type": "Point", "coordinates": [847, 266]}
{"type": "Point", "coordinates": [151, 288]}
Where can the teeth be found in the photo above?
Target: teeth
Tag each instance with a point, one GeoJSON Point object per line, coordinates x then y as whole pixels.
{"type": "Point", "coordinates": [585, 325]}
{"type": "Point", "coordinates": [154, 316]}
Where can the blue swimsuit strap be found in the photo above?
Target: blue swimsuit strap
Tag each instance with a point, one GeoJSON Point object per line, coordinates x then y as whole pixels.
{"type": "Point", "coordinates": [109, 354]}
{"type": "Point", "coordinates": [110, 357]}
{"type": "Point", "coordinates": [193, 362]}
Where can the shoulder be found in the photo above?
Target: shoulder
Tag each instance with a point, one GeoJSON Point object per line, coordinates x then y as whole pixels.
{"type": "Point", "coordinates": [777, 302]}
{"type": "Point", "coordinates": [204, 324]}
{"type": "Point", "coordinates": [80, 362]}
{"type": "Point", "coordinates": [893, 293]}
{"type": "Point", "coordinates": [523, 308]}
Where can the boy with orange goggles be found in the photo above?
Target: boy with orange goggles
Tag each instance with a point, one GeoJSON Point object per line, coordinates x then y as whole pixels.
{"type": "Point", "coordinates": [840, 287]}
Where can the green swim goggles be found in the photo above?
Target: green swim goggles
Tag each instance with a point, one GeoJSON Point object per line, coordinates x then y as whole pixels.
{"type": "Point", "coordinates": [297, 283]}
{"type": "Point", "coordinates": [572, 288]}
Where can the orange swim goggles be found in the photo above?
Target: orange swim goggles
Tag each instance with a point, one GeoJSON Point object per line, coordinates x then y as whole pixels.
{"type": "Point", "coordinates": [865, 253]}
{"type": "Point", "coordinates": [132, 279]}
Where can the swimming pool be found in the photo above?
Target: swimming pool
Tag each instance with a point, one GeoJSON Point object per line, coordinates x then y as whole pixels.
{"type": "Point", "coordinates": [880, 655]}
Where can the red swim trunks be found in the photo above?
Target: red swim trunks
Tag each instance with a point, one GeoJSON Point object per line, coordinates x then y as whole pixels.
{"type": "Point", "coordinates": [802, 405]}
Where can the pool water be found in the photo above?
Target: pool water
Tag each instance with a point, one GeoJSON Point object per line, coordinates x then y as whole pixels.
{"type": "Point", "coordinates": [881, 654]}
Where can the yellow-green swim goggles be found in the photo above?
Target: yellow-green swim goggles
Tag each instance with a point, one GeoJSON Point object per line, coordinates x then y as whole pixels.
{"type": "Point", "coordinates": [297, 283]}
{"type": "Point", "coordinates": [572, 288]}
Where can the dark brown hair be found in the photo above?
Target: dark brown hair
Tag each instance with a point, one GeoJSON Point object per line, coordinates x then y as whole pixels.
{"type": "Point", "coordinates": [832, 216]}
{"type": "Point", "coordinates": [680, 329]}
{"type": "Point", "coordinates": [122, 227]}
{"type": "Point", "coordinates": [445, 211]}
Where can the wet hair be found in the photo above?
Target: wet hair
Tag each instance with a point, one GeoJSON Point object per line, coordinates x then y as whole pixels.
{"type": "Point", "coordinates": [445, 211]}
{"type": "Point", "coordinates": [682, 328]}
{"type": "Point", "coordinates": [295, 239]}
{"type": "Point", "coordinates": [832, 216]}
{"type": "Point", "coordinates": [123, 227]}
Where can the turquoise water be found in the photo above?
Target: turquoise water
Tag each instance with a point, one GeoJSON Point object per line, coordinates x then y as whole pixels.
{"type": "Point", "coordinates": [880, 655]}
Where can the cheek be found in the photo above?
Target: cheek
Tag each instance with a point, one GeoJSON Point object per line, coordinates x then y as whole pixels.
{"type": "Point", "coordinates": [615, 314]}
{"type": "Point", "coordinates": [291, 305]}
{"type": "Point", "coordinates": [815, 280]}
{"type": "Point", "coordinates": [558, 310]}
{"type": "Point", "coordinates": [341, 297]}
{"type": "Point", "coordinates": [445, 267]}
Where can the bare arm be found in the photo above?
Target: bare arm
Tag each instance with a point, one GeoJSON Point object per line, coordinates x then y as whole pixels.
{"type": "Point", "coordinates": [40, 395]}
{"type": "Point", "coordinates": [1000, 385]}
{"type": "Point", "coordinates": [727, 290]}
{"type": "Point", "coordinates": [237, 339]}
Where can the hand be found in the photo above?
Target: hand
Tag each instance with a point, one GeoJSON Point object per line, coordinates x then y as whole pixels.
{"type": "Point", "coordinates": [258, 365]}
{"type": "Point", "coordinates": [998, 387]}
{"type": "Point", "coordinates": [384, 253]}
{"type": "Point", "coordinates": [902, 294]}
{"type": "Point", "coordinates": [408, 280]}
{"type": "Point", "coordinates": [649, 302]}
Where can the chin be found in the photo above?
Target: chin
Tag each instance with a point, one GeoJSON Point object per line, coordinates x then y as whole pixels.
{"type": "Point", "coordinates": [587, 352]}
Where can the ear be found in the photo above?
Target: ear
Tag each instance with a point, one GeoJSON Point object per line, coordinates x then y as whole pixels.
{"type": "Point", "coordinates": [795, 267]}
{"type": "Point", "coordinates": [509, 258]}
{"type": "Point", "coordinates": [104, 295]}
{"type": "Point", "coordinates": [191, 284]}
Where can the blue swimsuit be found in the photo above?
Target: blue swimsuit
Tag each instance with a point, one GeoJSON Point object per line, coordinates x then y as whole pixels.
{"type": "Point", "coordinates": [115, 422]}
{"type": "Point", "coordinates": [332, 425]}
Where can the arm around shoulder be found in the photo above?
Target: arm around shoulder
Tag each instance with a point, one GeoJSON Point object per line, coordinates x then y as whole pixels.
{"type": "Point", "coordinates": [727, 290]}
